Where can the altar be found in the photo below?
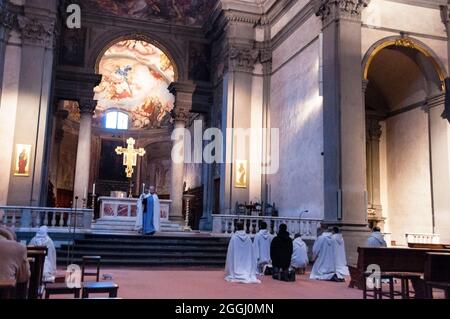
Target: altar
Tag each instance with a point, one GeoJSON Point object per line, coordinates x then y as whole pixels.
{"type": "Point", "coordinates": [123, 208]}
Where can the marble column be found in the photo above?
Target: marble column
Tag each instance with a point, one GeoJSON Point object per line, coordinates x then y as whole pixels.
{"type": "Point", "coordinates": [183, 93]}
{"type": "Point", "coordinates": [8, 109]}
{"type": "Point", "coordinates": [37, 29]}
{"type": "Point", "coordinates": [373, 182]}
{"type": "Point", "coordinates": [81, 185]}
{"type": "Point", "coordinates": [344, 120]}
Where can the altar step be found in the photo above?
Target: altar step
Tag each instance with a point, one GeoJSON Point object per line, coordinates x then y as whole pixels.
{"type": "Point", "coordinates": [114, 226]}
{"type": "Point", "coordinates": [161, 251]}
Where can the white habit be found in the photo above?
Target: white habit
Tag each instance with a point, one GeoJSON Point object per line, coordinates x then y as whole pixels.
{"type": "Point", "coordinates": [43, 240]}
{"type": "Point", "coordinates": [261, 247]}
{"type": "Point", "coordinates": [300, 255]}
{"type": "Point", "coordinates": [376, 239]}
{"type": "Point", "coordinates": [156, 212]}
{"type": "Point", "coordinates": [240, 265]}
{"type": "Point", "coordinates": [340, 258]}
{"type": "Point", "coordinates": [323, 254]}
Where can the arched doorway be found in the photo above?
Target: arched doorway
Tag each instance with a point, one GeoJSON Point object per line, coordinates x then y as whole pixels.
{"type": "Point", "coordinates": [406, 167]}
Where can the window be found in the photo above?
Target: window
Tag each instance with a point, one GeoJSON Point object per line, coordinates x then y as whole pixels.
{"type": "Point", "coordinates": [116, 120]}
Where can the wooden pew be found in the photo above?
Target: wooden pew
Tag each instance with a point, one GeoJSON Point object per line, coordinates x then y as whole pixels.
{"type": "Point", "coordinates": [38, 255]}
{"type": "Point", "coordinates": [429, 246]}
{"type": "Point", "coordinates": [437, 273]}
{"type": "Point", "coordinates": [402, 263]}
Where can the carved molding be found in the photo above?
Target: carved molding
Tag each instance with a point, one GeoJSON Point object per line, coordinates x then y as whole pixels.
{"type": "Point", "coordinates": [339, 8]}
{"type": "Point", "coordinates": [235, 16]}
{"type": "Point", "coordinates": [37, 32]}
{"type": "Point", "coordinates": [242, 59]}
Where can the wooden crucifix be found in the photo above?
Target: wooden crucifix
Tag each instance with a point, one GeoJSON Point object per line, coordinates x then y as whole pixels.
{"type": "Point", "coordinates": [130, 155]}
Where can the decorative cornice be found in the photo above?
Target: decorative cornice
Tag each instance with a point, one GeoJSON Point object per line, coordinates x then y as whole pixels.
{"type": "Point", "coordinates": [334, 9]}
{"type": "Point", "coordinates": [37, 32]}
{"type": "Point", "coordinates": [242, 59]}
{"type": "Point", "coordinates": [235, 16]}
{"type": "Point", "coordinates": [374, 130]}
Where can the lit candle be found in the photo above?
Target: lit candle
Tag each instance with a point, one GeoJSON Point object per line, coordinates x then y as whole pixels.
{"type": "Point", "coordinates": [93, 189]}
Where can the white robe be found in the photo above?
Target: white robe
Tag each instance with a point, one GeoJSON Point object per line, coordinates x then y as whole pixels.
{"type": "Point", "coordinates": [340, 258]}
{"type": "Point", "coordinates": [376, 239]}
{"type": "Point", "coordinates": [261, 248]}
{"type": "Point", "coordinates": [300, 255]}
{"type": "Point", "coordinates": [323, 254]}
{"type": "Point", "coordinates": [43, 240]}
{"type": "Point", "coordinates": [156, 213]}
{"type": "Point", "coordinates": [240, 265]}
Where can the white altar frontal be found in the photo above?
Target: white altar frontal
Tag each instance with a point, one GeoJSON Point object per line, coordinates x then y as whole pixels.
{"type": "Point", "coordinates": [120, 208]}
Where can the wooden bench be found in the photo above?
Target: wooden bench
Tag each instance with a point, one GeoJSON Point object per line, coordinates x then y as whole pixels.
{"type": "Point", "coordinates": [405, 264]}
{"type": "Point", "coordinates": [437, 273]}
{"type": "Point", "coordinates": [108, 287]}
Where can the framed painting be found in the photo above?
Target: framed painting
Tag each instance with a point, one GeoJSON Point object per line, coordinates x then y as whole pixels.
{"type": "Point", "coordinates": [241, 168]}
{"type": "Point", "coordinates": [22, 160]}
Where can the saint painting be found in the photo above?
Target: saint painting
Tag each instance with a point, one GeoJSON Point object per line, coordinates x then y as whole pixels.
{"type": "Point", "coordinates": [22, 160]}
{"type": "Point", "coordinates": [241, 174]}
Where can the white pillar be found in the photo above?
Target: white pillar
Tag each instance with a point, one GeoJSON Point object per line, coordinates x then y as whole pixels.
{"type": "Point", "coordinates": [81, 185]}
{"type": "Point", "coordinates": [177, 180]}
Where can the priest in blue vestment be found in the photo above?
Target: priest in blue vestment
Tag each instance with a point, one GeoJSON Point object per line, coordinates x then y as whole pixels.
{"type": "Point", "coordinates": [149, 213]}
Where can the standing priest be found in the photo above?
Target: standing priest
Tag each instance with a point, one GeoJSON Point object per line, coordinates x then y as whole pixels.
{"type": "Point", "coordinates": [149, 213]}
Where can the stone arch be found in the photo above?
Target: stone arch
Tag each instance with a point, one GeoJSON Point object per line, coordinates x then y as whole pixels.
{"type": "Point", "coordinates": [407, 42]}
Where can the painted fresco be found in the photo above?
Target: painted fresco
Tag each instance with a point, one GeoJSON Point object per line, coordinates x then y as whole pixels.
{"type": "Point", "coordinates": [136, 76]}
{"type": "Point", "coordinates": [187, 12]}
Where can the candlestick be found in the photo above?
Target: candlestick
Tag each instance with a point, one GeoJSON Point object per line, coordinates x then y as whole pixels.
{"type": "Point", "coordinates": [85, 193]}
{"type": "Point", "coordinates": [143, 188]}
{"type": "Point", "coordinates": [93, 189]}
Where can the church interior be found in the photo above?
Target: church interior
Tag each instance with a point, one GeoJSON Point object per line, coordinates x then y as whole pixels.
{"type": "Point", "coordinates": [211, 114]}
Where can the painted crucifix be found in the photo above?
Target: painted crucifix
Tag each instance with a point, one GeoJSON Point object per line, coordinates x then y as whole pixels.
{"type": "Point", "coordinates": [130, 155]}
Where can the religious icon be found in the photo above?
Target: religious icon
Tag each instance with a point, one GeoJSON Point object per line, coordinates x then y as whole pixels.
{"type": "Point", "coordinates": [241, 174]}
{"type": "Point", "coordinates": [22, 160]}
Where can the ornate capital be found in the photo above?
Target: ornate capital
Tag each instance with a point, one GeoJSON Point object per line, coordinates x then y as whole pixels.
{"type": "Point", "coordinates": [87, 106]}
{"type": "Point", "coordinates": [242, 59]}
{"type": "Point", "coordinates": [374, 130]}
{"type": "Point", "coordinates": [180, 115]}
{"type": "Point", "coordinates": [37, 32]}
{"type": "Point", "coordinates": [7, 19]}
{"type": "Point", "coordinates": [327, 9]}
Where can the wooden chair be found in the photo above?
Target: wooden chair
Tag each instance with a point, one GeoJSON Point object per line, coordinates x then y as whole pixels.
{"type": "Point", "coordinates": [405, 264]}
{"type": "Point", "coordinates": [91, 260]}
{"type": "Point", "coordinates": [108, 287]}
{"type": "Point", "coordinates": [61, 289]}
{"type": "Point", "coordinates": [437, 273]}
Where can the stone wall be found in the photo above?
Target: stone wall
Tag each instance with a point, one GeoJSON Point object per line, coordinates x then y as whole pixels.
{"type": "Point", "coordinates": [296, 109]}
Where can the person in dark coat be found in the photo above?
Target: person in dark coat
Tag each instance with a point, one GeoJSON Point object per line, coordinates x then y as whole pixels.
{"type": "Point", "coordinates": [281, 250]}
